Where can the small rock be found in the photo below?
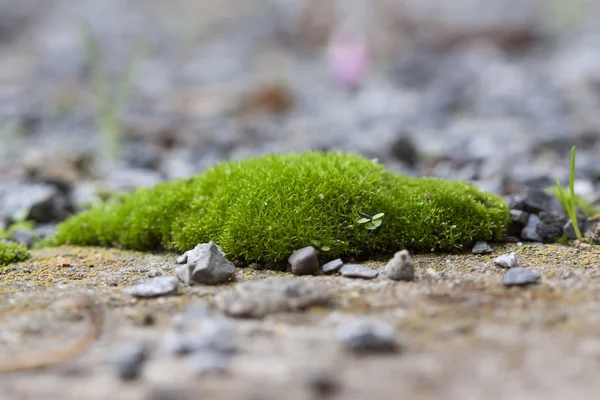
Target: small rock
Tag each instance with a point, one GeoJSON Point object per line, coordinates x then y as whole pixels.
{"type": "Point", "coordinates": [193, 256]}
{"type": "Point", "coordinates": [550, 228]}
{"type": "Point", "coordinates": [520, 276]}
{"type": "Point", "coordinates": [519, 220]}
{"type": "Point", "coordinates": [482, 247]}
{"type": "Point", "coordinates": [401, 267]}
{"type": "Point", "coordinates": [332, 266]}
{"type": "Point", "coordinates": [36, 202]}
{"type": "Point", "coordinates": [154, 287]}
{"type": "Point", "coordinates": [368, 337]}
{"type": "Point", "coordinates": [358, 271]}
{"type": "Point", "coordinates": [212, 267]}
{"type": "Point", "coordinates": [530, 232]}
{"type": "Point", "coordinates": [208, 362]}
{"type": "Point", "coordinates": [509, 260]}
{"type": "Point", "coordinates": [304, 261]}
{"type": "Point", "coordinates": [129, 359]}
{"type": "Point", "coordinates": [535, 200]}
{"type": "Point", "coordinates": [206, 264]}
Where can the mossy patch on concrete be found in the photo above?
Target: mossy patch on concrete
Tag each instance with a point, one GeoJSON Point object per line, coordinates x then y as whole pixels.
{"type": "Point", "coordinates": [261, 209]}
{"type": "Point", "coordinates": [11, 252]}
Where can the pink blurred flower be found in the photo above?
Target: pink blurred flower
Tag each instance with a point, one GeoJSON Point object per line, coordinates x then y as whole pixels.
{"type": "Point", "coordinates": [348, 60]}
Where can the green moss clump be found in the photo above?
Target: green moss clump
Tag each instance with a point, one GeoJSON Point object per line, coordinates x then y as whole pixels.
{"type": "Point", "coordinates": [261, 209]}
{"type": "Point", "coordinates": [12, 252]}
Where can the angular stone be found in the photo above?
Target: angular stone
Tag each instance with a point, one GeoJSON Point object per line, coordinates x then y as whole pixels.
{"type": "Point", "coordinates": [304, 261]}
{"type": "Point", "coordinates": [509, 260]}
{"type": "Point", "coordinates": [530, 232]}
{"type": "Point", "coordinates": [212, 267]}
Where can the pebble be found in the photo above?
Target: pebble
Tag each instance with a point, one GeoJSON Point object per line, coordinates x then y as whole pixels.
{"type": "Point", "coordinates": [332, 266]}
{"type": "Point", "coordinates": [154, 287]}
{"type": "Point", "coordinates": [550, 228]}
{"type": "Point", "coordinates": [520, 276]}
{"type": "Point", "coordinates": [509, 260]}
{"type": "Point", "coordinates": [304, 261]}
{"type": "Point", "coordinates": [32, 201]}
{"type": "Point", "coordinates": [530, 232]}
{"type": "Point", "coordinates": [482, 247]}
{"type": "Point", "coordinates": [401, 267]}
{"type": "Point", "coordinates": [129, 358]}
{"type": "Point", "coordinates": [207, 362]}
{"type": "Point", "coordinates": [361, 336]}
{"type": "Point", "coordinates": [536, 200]}
{"type": "Point", "coordinates": [358, 271]}
{"type": "Point", "coordinates": [205, 264]}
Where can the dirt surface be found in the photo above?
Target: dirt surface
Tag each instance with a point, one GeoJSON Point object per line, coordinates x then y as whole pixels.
{"type": "Point", "coordinates": [462, 334]}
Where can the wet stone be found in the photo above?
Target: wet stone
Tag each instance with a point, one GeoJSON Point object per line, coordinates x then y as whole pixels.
{"type": "Point", "coordinates": [482, 247]}
{"type": "Point", "coordinates": [256, 299]}
{"type": "Point", "coordinates": [362, 336]}
{"type": "Point", "coordinates": [401, 267]}
{"type": "Point", "coordinates": [154, 287]}
{"type": "Point", "coordinates": [520, 276]}
{"type": "Point", "coordinates": [333, 266]}
{"type": "Point", "coordinates": [304, 261]}
{"type": "Point", "coordinates": [509, 260]}
{"type": "Point", "coordinates": [358, 271]}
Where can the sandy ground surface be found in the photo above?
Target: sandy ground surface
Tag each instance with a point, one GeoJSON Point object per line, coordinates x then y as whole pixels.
{"type": "Point", "coordinates": [462, 334]}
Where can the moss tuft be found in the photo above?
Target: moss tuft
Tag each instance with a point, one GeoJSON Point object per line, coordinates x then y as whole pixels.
{"type": "Point", "coordinates": [12, 252]}
{"type": "Point", "coordinates": [261, 209]}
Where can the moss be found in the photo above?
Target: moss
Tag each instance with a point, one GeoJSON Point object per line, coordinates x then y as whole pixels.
{"type": "Point", "coordinates": [261, 209]}
{"type": "Point", "coordinates": [12, 252]}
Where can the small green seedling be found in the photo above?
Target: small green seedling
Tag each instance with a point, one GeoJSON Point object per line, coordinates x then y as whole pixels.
{"type": "Point", "coordinates": [371, 222]}
{"type": "Point", "coordinates": [568, 199]}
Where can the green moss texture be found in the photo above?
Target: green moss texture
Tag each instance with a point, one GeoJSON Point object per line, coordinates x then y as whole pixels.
{"type": "Point", "coordinates": [12, 252]}
{"type": "Point", "coordinates": [261, 209]}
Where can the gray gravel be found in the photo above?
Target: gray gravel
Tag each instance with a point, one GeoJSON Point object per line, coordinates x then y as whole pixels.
{"type": "Point", "coordinates": [520, 276]}
{"type": "Point", "coordinates": [154, 287]}
{"type": "Point", "coordinates": [358, 271]}
{"type": "Point", "coordinates": [509, 260]}
{"type": "Point", "coordinates": [304, 261]}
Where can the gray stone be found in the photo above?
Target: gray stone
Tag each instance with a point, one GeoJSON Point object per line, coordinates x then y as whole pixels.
{"type": "Point", "coordinates": [519, 220]}
{"type": "Point", "coordinates": [256, 299]}
{"type": "Point", "coordinates": [32, 201]}
{"type": "Point", "coordinates": [193, 256]}
{"type": "Point", "coordinates": [208, 362]}
{"type": "Point", "coordinates": [569, 230]}
{"type": "Point", "coordinates": [536, 200]}
{"type": "Point", "coordinates": [401, 267]}
{"type": "Point", "coordinates": [530, 231]}
{"type": "Point", "coordinates": [212, 267]}
{"type": "Point", "coordinates": [509, 260]}
{"type": "Point", "coordinates": [368, 337]}
{"type": "Point", "coordinates": [184, 273]}
{"type": "Point", "coordinates": [550, 228]}
{"type": "Point", "coordinates": [482, 247]}
{"type": "Point", "coordinates": [358, 271]}
{"type": "Point", "coordinates": [520, 276]}
{"type": "Point", "coordinates": [304, 261]}
{"type": "Point", "coordinates": [154, 287]}
{"type": "Point", "coordinates": [129, 358]}
{"type": "Point", "coordinates": [333, 265]}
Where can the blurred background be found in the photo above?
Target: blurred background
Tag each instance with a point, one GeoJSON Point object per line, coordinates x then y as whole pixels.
{"type": "Point", "coordinates": [101, 96]}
